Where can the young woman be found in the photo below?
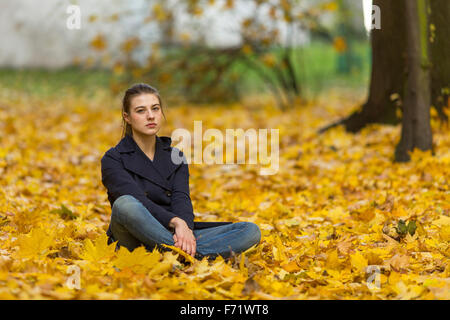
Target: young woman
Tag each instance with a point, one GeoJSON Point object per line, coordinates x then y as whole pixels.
{"type": "Point", "coordinates": [149, 193]}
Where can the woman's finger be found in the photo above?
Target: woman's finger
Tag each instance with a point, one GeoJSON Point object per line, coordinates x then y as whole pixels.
{"type": "Point", "coordinates": [192, 241]}
{"type": "Point", "coordinates": [191, 247]}
{"type": "Point", "coordinates": [194, 249]}
{"type": "Point", "coordinates": [180, 242]}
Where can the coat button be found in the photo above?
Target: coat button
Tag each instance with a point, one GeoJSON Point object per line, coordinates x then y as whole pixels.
{"type": "Point", "coordinates": [168, 193]}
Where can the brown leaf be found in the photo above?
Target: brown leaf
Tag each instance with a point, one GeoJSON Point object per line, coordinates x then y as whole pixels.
{"type": "Point", "coordinates": [399, 262]}
{"type": "Point", "coordinates": [344, 247]}
{"type": "Point", "coordinates": [250, 286]}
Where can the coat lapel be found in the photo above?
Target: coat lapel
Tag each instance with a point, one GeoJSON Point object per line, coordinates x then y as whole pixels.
{"type": "Point", "coordinates": [156, 171]}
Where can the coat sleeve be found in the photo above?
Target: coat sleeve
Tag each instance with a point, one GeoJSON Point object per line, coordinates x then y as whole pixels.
{"type": "Point", "coordinates": [118, 182]}
{"type": "Point", "coordinates": [181, 203]}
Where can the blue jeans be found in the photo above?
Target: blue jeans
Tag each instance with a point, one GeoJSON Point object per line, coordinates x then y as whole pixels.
{"type": "Point", "coordinates": [132, 225]}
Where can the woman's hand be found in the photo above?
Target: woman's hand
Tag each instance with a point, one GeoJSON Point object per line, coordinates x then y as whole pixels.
{"type": "Point", "coordinates": [184, 237]}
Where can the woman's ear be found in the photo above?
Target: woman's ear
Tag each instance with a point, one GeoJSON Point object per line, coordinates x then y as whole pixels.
{"type": "Point", "coordinates": [125, 117]}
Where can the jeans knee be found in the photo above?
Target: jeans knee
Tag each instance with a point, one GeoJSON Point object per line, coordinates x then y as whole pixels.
{"type": "Point", "coordinates": [253, 233]}
{"type": "Point", "coordinates": [256, 232]}
{"type": "Point", "coordinates": [122, 200]}
{"type": "Point", "coordinates": [124, 206]}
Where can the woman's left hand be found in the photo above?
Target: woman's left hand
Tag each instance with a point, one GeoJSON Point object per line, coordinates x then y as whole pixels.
{"type": "Point", "coordinates": [184, 238]}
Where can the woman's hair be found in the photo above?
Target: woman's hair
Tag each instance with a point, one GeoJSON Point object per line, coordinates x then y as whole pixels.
{"type": "Point", "coordinates": [133, 91]}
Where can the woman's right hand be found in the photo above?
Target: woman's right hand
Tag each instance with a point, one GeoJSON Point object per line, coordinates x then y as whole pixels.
{"type": "Point", "coordinates": [184, 237]}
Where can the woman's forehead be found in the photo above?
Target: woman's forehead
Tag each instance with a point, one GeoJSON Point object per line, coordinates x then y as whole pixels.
{"type": "Point", "coordinates": [145, 99]}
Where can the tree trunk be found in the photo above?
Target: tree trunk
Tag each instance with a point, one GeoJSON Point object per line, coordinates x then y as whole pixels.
{"type": "Point", "coordinates": [416, 128]}
{"type": "Point", "coordinates": [387, 79]}
{"type": "Point", "coordinates": [440, 53]}
{"type": "Point", "coordinates": [389, 62]}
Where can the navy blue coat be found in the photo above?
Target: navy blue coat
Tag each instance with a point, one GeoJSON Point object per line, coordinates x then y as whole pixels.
{"type": "Point", "coordinates": [161, 185]}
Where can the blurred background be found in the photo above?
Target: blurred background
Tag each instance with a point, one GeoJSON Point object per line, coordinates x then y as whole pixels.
{"type": "Point", "coordinates": [198, 51]}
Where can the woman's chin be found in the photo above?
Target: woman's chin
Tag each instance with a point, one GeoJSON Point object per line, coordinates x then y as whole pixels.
{"type": "Point", "coordinates": [151, 131]}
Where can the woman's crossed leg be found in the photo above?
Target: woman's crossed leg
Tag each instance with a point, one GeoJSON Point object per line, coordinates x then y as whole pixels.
{"type": "Point", "coordinates": [132, 225]}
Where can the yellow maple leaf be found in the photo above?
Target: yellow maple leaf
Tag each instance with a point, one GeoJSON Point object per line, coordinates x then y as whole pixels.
{"type": "Point", "coordinates": [358, 261]}
{"type": "Point", "coordinates": [99, 250]}
{"type": "Point", "coordinates": [406, 292]}
{"type": "Point", "coordinates": [445, 233]}
{"type": "Point", "coordinates": [202, 268]}
{"type": "Point", "coordinates": [160, 268]}
{"type": "Point", "coordinates": [181, 252]}
{"type": "Point", "coordinates": [332, 260]}
{"type": "Point", "coordinates": [139, 260]}
{"type": "Point", "coordinates": [442, 221]}
{"type": "Point", "coordinates": [278, 250]}
{"type": "Point", "coordinates": [291, 266]}
{"type": "Point", "coordinates": [36, 243]}
{"type": "Point", "coordinates": [242, 263]}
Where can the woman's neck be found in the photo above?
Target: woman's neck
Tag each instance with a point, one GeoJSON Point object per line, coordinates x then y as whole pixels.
{"type": "Point", "coordinates": [146, 143]}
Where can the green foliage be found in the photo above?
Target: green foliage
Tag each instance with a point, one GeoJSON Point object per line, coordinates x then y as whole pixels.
{"type": "Point", "coordinates": [316, 64]}
{"type": "Point", "coordinates": [44, 82]}
{"type": "Point", "coordinates": [403, 229]}
{"type": "Point", "coordinates": [65, 213]}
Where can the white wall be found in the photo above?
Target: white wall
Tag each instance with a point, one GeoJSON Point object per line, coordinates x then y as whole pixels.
{"type": "Point", "coordinates": [33, 33]}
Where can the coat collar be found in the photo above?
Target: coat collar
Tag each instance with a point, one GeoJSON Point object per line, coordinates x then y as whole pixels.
{"type": "Point", "coordinates": [127, 144]}
{"type": "Point", "coordinates": [158, 170]}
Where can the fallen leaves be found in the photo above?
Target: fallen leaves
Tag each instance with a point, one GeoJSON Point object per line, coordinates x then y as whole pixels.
{"type": "Point", "coordinates": [344, 246]}
{"type": "Point", "coordinates": [181, 252]}
{"type": "Point", "coordinates": [35, 244]}
{"type": "Point", "coordinates": [337, 212]}
{"type": "Point", "coordinates": [399, 262]}
{"type": "Point", "coordinates": [358, 261]}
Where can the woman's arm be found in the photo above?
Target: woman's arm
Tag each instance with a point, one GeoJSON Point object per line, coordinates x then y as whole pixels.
{"type": "Point", "coordinates": [181, 204]}
{"type": "Point", "coordinates": [119, 182]}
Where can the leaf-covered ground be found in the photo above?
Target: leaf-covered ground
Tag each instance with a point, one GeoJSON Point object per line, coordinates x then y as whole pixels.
{"type": "Point", "coordinates": [330, 217]}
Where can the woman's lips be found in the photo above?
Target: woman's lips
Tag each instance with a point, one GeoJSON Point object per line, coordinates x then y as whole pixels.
{"type": "Point", "coordinates": [151, 125]}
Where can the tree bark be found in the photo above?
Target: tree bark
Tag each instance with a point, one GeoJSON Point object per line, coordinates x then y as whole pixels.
{"type": "Point", "coordinates": [440, 53]}
{"type": "Point", "coordinates": [387, 78]}
{"type": "Point", "coordinates": [416, 128]}
{"type": "Point", "coordinates": [389, 62]}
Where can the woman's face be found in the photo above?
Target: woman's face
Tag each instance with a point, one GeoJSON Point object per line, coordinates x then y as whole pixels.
{"type": "Point", "coordinates": [144, 109]}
